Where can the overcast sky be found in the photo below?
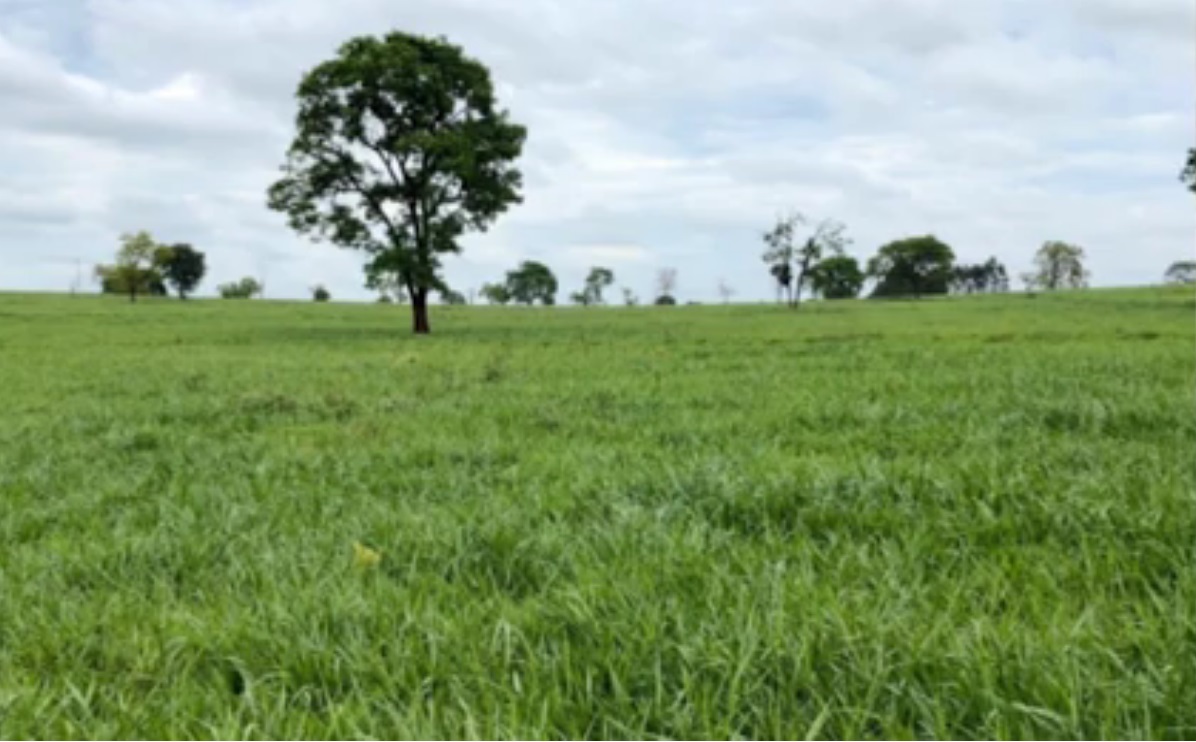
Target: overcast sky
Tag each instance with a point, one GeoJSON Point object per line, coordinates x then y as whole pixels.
{"type": "Point", "coordinates": [662, 133]}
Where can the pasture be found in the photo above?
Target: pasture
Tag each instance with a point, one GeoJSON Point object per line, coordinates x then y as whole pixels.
{"type": "Point", "coordinates": [963, 517]}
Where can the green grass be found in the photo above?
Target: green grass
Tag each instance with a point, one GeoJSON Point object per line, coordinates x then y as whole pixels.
{"type": "Point", "coordinates": [950, 518]}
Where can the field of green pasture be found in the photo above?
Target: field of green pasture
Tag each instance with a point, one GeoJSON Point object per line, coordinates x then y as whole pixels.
{"type": "Point", "coordinates": [968, 517]}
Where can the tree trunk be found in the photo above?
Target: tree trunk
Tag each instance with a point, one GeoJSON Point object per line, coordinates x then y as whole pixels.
{"type": "Point", "coordinates": [419, 311]}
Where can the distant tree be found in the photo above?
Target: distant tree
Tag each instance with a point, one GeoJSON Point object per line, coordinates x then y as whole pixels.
{"type": "Point", "coordinates": [665, 300]}
{"type": "Point", "coordinates": [983, 278]}
{"type": "Point", "coordinates": [246, 288]}
{"type": "Point", "coordinates": [837, 277]}
{"type": "Point", "coordinates": [532, 282]}
{"type": "Point", "coordinates": [133, 272]}
{"type": "Point", "coordinates": [598, 279]}
{"type": "Point", "coordinates": [1057, 265]}
{"type": "Point", "coordinates": [788, 255]}
{"type": "Point", "coordinates": [725, 291]}
{"type": "Point", "coordinates": [1183, 271]}
{"type": "Point", "coordinates": [1188, 175]}
{"type": "Point", "coordinates": [495, 293]}
{"type": "Point", "coordinates": [400, 150]}
{"type": "Point", "coordinates": [385, 299]}
{"type": "Point", "coordinates": [319, 293]}
{"type": "Point", "coordinates": [915, 266]}
{"type": "Point", "coordinates": [181, 266]}
{"type": "Point", "coordinates": [452, 298]}
{"type": "Point", "coordinates": [666, 284]}
{"type": "Point", "coordinates": [629, 297]}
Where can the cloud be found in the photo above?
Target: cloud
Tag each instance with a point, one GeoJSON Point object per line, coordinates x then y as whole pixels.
{"type": "Point", "coordinates": [672, 140]}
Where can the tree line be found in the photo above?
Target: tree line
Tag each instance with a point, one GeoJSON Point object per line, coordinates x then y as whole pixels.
{"type": "Point", "coordinates": [801, 256]}
{"type": "Point", "coordinates": [401, 148]}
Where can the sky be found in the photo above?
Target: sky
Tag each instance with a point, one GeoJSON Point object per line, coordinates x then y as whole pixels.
{"type": "Point", "coordinates": [661, 133]}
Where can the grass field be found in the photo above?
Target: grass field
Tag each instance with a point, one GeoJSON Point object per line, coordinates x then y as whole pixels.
{"type": "Point", "coordinates": [949, 518]}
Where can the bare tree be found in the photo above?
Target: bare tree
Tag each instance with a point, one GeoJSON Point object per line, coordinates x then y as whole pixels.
{"type": "Point", "coordinates": [725, 291]}
{"type": "Point", "coordinates": [666, 281]}
{"type": "Point", "coordinates": [790, 258]}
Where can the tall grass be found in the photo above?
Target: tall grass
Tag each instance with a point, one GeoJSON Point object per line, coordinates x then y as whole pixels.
{"type": "Point", "coordinates": [953, 518]}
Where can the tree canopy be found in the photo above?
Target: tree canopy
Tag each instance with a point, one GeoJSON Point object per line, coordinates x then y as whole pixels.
{"type": "Point", "coordinates": [598, 279]}
{"type": "Point", "coordinates": [837, 277]}
{"type": "Point", "coordinates": [495, 293]}
{"type": "Point", "coordinates": [1057, 265]}
{"type": "Point", "coordinates": [400, 149]}
{"type": "Point", "coordinates": [133, 272]}
{"type": "Point", "coordinates": [246, 288]}
{"type": "Point", "coordinates": [181, 266]}
{"type": "Point", "coordinates": [1182, 271]}
{"type": "Point", "coordinates": [914, 266]}
{"type": "Point", "coordinates": [532, 282]}
{"type": "Point", "coordinates": [987, 277]}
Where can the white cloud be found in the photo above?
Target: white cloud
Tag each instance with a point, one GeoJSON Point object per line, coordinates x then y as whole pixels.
{"type": "Point", "coordinates": [661, 133]}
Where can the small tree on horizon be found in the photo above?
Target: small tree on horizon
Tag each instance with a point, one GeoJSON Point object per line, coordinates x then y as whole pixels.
{"type": "Point", "coordinates": [246, 288]}
{"type": "Point", "coordinates": [1182, 271]}
{"type": "Point", "coordinates": [181, 266]}
{"type": "Point", "coordinates": [666, 284]}
{"type": "Point", "coordinates": [597, 280]}
{"type": "Point", "coordinates": [495, 293]}
{"type": "Point", "coordinates": [133, 272]}
{"type": "Point", "coordinates": [837, 277]}
{"type": "Point", "coordinates": [532, 281]}
{"type": "Point", "coordinates": [914, 266]}
{"type": "Point", "coordinates": [1057, 265]}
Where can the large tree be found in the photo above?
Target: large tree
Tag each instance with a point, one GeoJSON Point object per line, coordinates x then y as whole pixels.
{"type": "Point", "coordinates": [133, 272]}
{"type": "Point", "coordinates": [1057, 265]}
{"type": "Point", "coordinates": [790, 257]}
{"type": "Point", "coordinates": [532, 282]}
{"type": "Point", "coordinates": [914, 266]}
{"type": "Point", "coordinates": [400, 150]}
{"type": "Point", "coordinates": [181, 266]}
